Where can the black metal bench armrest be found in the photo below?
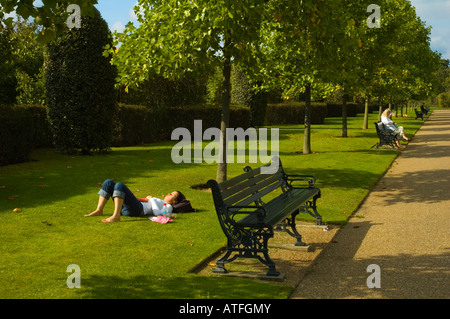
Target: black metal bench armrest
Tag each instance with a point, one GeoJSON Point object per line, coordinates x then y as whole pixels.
{"type": "Point", "coordinates": [260, 211]}
{"type": "Point", "coordinates": [302, 178]}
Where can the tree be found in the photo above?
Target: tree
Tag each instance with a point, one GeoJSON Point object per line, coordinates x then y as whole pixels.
{"type": "Point", "coordinates": [52, 16]}
{"type": "Point", "coordinates": [395, 60]}
{"type": "Point", "coordinates": [8, 81]}
{"type": "Point", "coordinates": [80, 88]}
{"type": "Point", "coordinates": [179, 37]}
{"type": "Point", "coordinates": [299, 49]}
{"type": "Point", "coordinates": [29, 60]}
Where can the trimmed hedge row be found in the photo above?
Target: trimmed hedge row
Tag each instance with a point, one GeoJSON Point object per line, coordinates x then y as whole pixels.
{"type": "Point", "coordinates": [22, 129]}
{"type": "Point", "coordinates": [335, 110]}
{"type": "Point", "coordinates": [149, 126]}
{"type": "Point", "coordinates": [26, 127]}
{"type": "Point", "coordinates": [294, 113]}
{"type": "Point", "coordinates": [16, 134]}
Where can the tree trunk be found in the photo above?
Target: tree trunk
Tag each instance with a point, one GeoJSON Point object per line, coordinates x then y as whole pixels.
{"type": "Point", "coordinates": [307, 134]}
{"type": "Point", "coordinates": [366, 114]}
{"type": "Point", "coordinates": [226, 97]}
{"type": "Point", "coordinates": [380, 110]}
{"type": "Point", "coordinates": [344, 115]}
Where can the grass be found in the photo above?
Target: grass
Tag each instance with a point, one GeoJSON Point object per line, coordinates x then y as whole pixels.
{"type": "Point", "coordinates": [140, 259]}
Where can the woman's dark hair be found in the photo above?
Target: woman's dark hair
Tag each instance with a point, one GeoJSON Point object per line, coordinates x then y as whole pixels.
{"type": "Point", "coordinates": [179, 198]}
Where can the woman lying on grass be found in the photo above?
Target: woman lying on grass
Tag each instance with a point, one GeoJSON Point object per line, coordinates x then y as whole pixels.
{"type": "Point", "coordinates": [126, 204]}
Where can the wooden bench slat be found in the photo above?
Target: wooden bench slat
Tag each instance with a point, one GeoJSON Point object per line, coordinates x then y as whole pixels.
{"type": "Point", "coordinates": [283, 205]}
{"type": "Point", "coordinates": [253, 189]}
{"type": "Point", "coordinates": [243, 185]}
{"type": "Point", "coordinates": [249, 200]}
{"type": "Point", "coordinates": [238, 179]}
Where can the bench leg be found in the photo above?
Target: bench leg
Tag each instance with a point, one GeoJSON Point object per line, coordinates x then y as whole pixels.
{"type": "Point", "coordinates": [311, 208]}
{"type": "Point", "coordinates": [293, 231]}
{"type": "Point", "coordinates": [252, 245]}
{"type": "Point", "coordinates": [269, 263]}
{"type": "Point", "coordinates": [220, 264]}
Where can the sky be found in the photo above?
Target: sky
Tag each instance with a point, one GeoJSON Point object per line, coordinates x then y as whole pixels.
{"type": "Point", "coordinates": [436, 13]}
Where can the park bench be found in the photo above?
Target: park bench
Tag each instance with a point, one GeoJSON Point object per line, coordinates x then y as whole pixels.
{"type": "Point", "coordinates": [419, 115]}
{"type": "Point", "coordinates": [387, 137]}
{"type": "Point", "coordinates": [424, 110]}
{"type": "Point", "coordinates": [253, 205]}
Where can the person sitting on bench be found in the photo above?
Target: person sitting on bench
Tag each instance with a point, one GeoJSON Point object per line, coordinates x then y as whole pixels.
{"type": "Point", "coordinates": [392, 126]}
{"type": "Point", "coordinates": [126, 204]}
{"type": "Point", "coordinates": [424, 109]}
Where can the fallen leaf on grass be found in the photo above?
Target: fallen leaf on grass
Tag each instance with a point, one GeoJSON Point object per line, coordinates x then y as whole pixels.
{"type": "Point", "coordinates": [17, 210]}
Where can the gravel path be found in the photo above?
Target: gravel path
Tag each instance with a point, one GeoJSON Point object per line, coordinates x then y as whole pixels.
{"type": "Point", "coordinates": [403, 228]}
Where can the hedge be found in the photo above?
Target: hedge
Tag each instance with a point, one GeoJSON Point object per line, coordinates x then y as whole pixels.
{"type": "Point", "coordinates": [150, 126]}
{"type": "Point", "coordinates": [25, 127]}
{"type": "Point", "coordinates": [16, 135]}
{"type": "Point", "coordinates": [335, 110]}
{"type": "Point", "coordinates": [444, 100]}
{"type": "Point", "coordinates": [294, 113]}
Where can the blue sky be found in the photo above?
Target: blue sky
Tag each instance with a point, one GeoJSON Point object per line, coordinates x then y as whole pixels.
{"type": "Point", "coordinates": [117, 13]}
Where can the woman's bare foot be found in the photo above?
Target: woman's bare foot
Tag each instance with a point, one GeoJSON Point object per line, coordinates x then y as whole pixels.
{"type": "Point", "coordinates": [94, 213]}
{"type": "Point", "coordinates": [111, 220]}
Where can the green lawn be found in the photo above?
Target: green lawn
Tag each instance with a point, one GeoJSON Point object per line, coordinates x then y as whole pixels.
{"type": "Point", "coordinates": [141, 259]}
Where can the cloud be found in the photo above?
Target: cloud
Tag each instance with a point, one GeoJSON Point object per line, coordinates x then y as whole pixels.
{"type": "Point", "coordinates": [440, 41]}
{"type": "Point", "coordinates": [432, 10]}
{"type": "Point", "coordinates": [118, 26]}
{"type": "Point", "coordinates": [131, 14]}
{"type": "Point", "coordinates": [435, 13]}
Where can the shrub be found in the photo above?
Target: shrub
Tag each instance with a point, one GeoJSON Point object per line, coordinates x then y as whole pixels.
{"type": "Point", "coordinates": [139, 124]}
{"type": "Point", "coordinates": [135, 124]}
{"type": "Point", "coordinates": [16, 135]}
{"type": "Point", "coordinates": [294, 113]}
{"type": "Point", "coordinates": [335, 110]}
{"type": "Point", "coordinates": [444, 100]}
{"type": "Point", "coordinates": [160, 93]}
{"type": "Point", "coordinates": [80, 88]}
{"type": "Point", "coordinates": [42, 133]}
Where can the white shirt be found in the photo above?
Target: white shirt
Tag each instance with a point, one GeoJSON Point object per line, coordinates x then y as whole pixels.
{"type": "Point", "coordinates": [388, 123]}
{"type": "Point", "coordinates": [154, 206]}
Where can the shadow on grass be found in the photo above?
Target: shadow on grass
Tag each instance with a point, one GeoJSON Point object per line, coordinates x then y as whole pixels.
{"type": "Point", "coordinates": [52, 177]}
{"type": "Point", "coordinates": [186, 287]}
